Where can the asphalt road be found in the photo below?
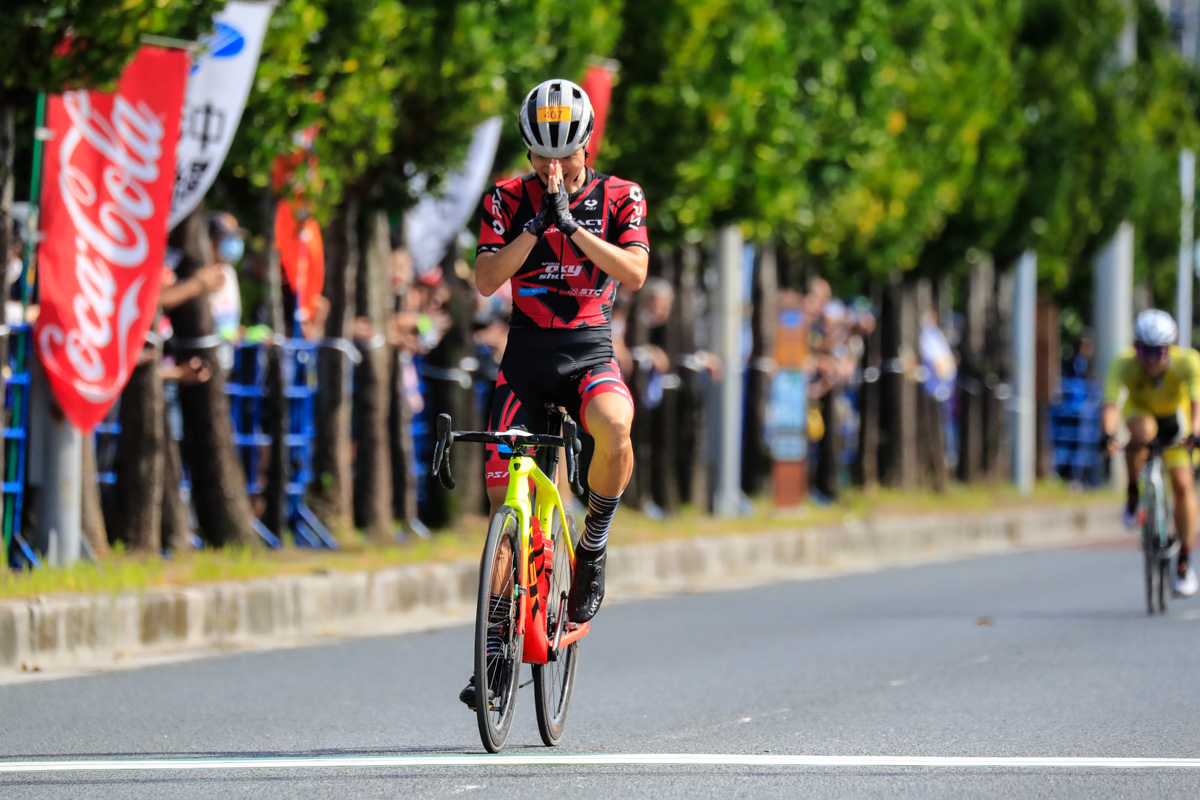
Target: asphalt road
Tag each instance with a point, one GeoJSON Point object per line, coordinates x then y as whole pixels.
{"type": "Point", "coordinates": [1038, 654]}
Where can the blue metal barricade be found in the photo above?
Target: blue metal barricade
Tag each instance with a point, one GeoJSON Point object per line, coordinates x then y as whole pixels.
{"type": "Point", "coordinates": [1075, 432]}
{"type": "Point", "coordinates": [246, 388]}
{"type": "Point", "coordinates": [16, 440]}
{"type": "Point", "coordinates": [300, 389]}
{"type": "Point", "coordinates": [422, 424]}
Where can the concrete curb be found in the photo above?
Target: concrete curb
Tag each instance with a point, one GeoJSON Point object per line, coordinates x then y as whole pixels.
{"type": "Point", "coordinates": [95, 631]}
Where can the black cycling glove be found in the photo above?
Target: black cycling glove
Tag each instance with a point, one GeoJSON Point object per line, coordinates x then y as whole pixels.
{"type": "Point", "coordinates": [560, 207]}
{"type": "Point", "coordinates": [541, 221]}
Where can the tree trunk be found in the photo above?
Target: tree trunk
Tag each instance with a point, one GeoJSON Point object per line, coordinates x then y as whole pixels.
{"type": "Point", "coordinates": [372, 462]}
{"type": "Point", "coordinates": [664, 487]}
{"type": "Point", "coordinates": [638, 493]}
{"type": "Point", "coordinates": [756, 456]}
{"type": "Point", "coordinates": [998, 348]}
{"type": "Point", "coordinates": [446, 394]}
{"type": "Point", "coordinates": [139, 467]}
{"type": "Point", "coordinates": [176, 523]}
{"type": "Point", "coordinates": [275, 425]}
{"type": "Point", "coordinates": [218, 484]}
{"type": "Point", "coordinates": [898, 393]}
{"type": "Point", "coordinates": [690, 465]}
{"type": "Point", "coordinates": [95, 533]}
{"type": "Point", "coordinates": [867, 460]}
{"type": "Point", "coordinates": [331, 496]}
{"type": "Point", "coordinates": [972, 372]}
{"type": "Point", "coordinates": [400, 419]}
{"type": "Point", "coordinates": [8, 146]}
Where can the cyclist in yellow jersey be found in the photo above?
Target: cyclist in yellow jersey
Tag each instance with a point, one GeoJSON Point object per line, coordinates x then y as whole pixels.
{"type": "Point", "coordinates": [1163, 384]}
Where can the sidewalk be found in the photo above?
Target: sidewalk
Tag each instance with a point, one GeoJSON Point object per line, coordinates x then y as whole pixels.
{"type": "Point", "coordinates": [86, 632]}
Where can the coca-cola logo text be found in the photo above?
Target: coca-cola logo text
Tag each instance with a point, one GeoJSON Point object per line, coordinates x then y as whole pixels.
{"type": "Point", "coordinates": [110, 232]}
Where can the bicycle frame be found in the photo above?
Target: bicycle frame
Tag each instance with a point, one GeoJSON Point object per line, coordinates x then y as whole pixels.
{"type": "Point", "coordinates": [522, 468]}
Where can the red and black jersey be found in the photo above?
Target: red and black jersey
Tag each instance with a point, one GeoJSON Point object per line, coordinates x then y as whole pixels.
{"type": "Point", "coordinates": [558, 287]}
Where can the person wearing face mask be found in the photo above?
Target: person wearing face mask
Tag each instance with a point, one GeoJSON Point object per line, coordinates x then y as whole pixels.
{"type": "Point", "coordinates": [228, 248]}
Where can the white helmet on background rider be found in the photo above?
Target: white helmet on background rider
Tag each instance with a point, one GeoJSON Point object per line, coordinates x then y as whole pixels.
{"type": "Point", "coordinates": [1154, 328]}
{"type": "Point", "coordinates": [556, 118]}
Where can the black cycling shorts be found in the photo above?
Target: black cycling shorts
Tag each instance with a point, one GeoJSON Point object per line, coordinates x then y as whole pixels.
{"type": "Point", "coordinates": [540, 368]}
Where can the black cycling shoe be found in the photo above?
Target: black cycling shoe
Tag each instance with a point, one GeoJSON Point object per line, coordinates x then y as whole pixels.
{"type": "Point", "coordinates": [499, 679]}
{"type": "Point", "coordinates": [587, 585]}
{"type": "Point", "coordinates": [467, 695]}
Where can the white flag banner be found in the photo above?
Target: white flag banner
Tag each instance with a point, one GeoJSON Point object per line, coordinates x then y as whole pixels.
{"type": "Point", "coordinates": [217, 89]}
{"type": "Point", "coordinates": [434, 221]}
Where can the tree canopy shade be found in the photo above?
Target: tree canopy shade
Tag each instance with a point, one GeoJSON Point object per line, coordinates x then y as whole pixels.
{"type": "Point", "coordinates": [877, 136]}
{"type": "Point", "coordinates": [396, 87]}
{"type": "Point", "coordinates": [51, 45]}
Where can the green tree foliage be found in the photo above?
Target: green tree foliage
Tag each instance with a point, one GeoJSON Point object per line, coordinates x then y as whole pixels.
{"type": "Point", "coordinates": [877, 136]}
{"type": "Point", "coordinates": [50, 45]}
{"type": "Point", "coordinates": [396, 87]}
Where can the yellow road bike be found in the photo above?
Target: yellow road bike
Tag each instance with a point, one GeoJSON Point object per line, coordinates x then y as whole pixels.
{"type": "Point", "coordinates": [524, 577]}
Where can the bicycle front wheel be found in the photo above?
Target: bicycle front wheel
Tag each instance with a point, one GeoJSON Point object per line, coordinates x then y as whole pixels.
{"type": "Point", "coordinates": [498, 647]}
{"type": "Point", "coordinates": [554, 681]}
{"type": "Point", "coordinates": [1151, 549]}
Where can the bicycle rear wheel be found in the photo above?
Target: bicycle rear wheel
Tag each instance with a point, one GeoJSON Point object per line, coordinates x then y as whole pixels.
{"type": "Point", "coordinates": [554, 681]}
{"type": "Point", "coordinates": [497, 675]}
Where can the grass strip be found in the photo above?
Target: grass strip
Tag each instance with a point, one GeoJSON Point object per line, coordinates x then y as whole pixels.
{"type": "Point", "coordinates": [123, 571]}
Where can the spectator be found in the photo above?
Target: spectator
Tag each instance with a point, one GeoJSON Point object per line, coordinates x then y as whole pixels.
{"type": "Point", "coordinates": [15, 266]}
{"type": "Point", "coordinates": [1078, 361]}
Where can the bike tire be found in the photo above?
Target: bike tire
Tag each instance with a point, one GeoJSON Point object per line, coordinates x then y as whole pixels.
{"type": "Point", "coordinates": [554, 681]}
{"type": "Point", "coordinates": [1164, 577]}
{"type": "Point", "coordinates": [500, 674]}
{"type": "Point", "coordinates": [1150, 549]}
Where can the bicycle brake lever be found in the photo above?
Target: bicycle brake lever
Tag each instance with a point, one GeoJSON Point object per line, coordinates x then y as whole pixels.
{"type": "Point", "coordinates": [441, 451]}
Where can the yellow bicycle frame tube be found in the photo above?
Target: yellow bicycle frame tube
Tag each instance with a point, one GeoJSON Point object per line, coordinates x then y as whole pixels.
{"type": "Point", "coordinates": [520, 470]}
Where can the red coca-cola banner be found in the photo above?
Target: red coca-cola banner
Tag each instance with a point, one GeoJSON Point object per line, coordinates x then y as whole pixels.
{"type": "Point", "coordinates": [598, 83]}
{"type": "Point", "coordinates": [109, 172]}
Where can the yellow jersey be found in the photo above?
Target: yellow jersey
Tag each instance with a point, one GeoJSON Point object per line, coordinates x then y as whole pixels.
{"type": "Point", "coordinates": [1158, 397]}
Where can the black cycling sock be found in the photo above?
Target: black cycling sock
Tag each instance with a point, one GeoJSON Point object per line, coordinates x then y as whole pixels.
{"type": "Point", "coordinates": [1131, 496]}
{"type": "Point", "coordinates": [599, 520]}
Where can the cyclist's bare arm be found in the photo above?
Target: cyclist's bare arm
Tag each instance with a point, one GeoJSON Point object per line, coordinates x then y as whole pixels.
{"type": "Point", "coordinates": [1109, 417]}
{"type": "Point", "coordinates": [625, 264]}
{"type": "Point", "coordinates": [492, 270]}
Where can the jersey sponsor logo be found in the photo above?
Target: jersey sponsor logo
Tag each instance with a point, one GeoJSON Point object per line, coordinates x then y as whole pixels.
{"type": "Point", "coordinates": [554, 114]}
{"type": "Point", "coordinates": [552, 270]}
{"type": "Point", "coordinates": [586, 292]}
{"type": "Point", "coordinates": [590, 204]}
{"type": "Point", "coordinates": [530, 291]}
{"type": "Point", "coordinates": [596, 226]}
{"type": "Point", "coordinates": [497, 474]}
{"type": "Point", "coordinates": [635, 194]}
{"type": "Point", "coordinates": [497, 210]}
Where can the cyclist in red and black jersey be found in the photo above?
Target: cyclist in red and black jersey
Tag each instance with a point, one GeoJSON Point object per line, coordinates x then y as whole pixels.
{"type": "Point", "coordinates": [564, 236]}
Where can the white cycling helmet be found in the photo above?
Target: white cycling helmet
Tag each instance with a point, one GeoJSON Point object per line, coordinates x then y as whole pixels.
{"type": "Point", "coordinates": [556, 118]}
{"type": "Point", "coordinates": [1154, 328]}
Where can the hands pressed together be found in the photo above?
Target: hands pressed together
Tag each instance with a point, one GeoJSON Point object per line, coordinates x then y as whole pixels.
{"type": "Point", "coordinates": [556, 207]}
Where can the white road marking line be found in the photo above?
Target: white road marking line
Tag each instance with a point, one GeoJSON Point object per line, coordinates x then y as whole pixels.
{"type": "Point", "coordinates": [627, 759]}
